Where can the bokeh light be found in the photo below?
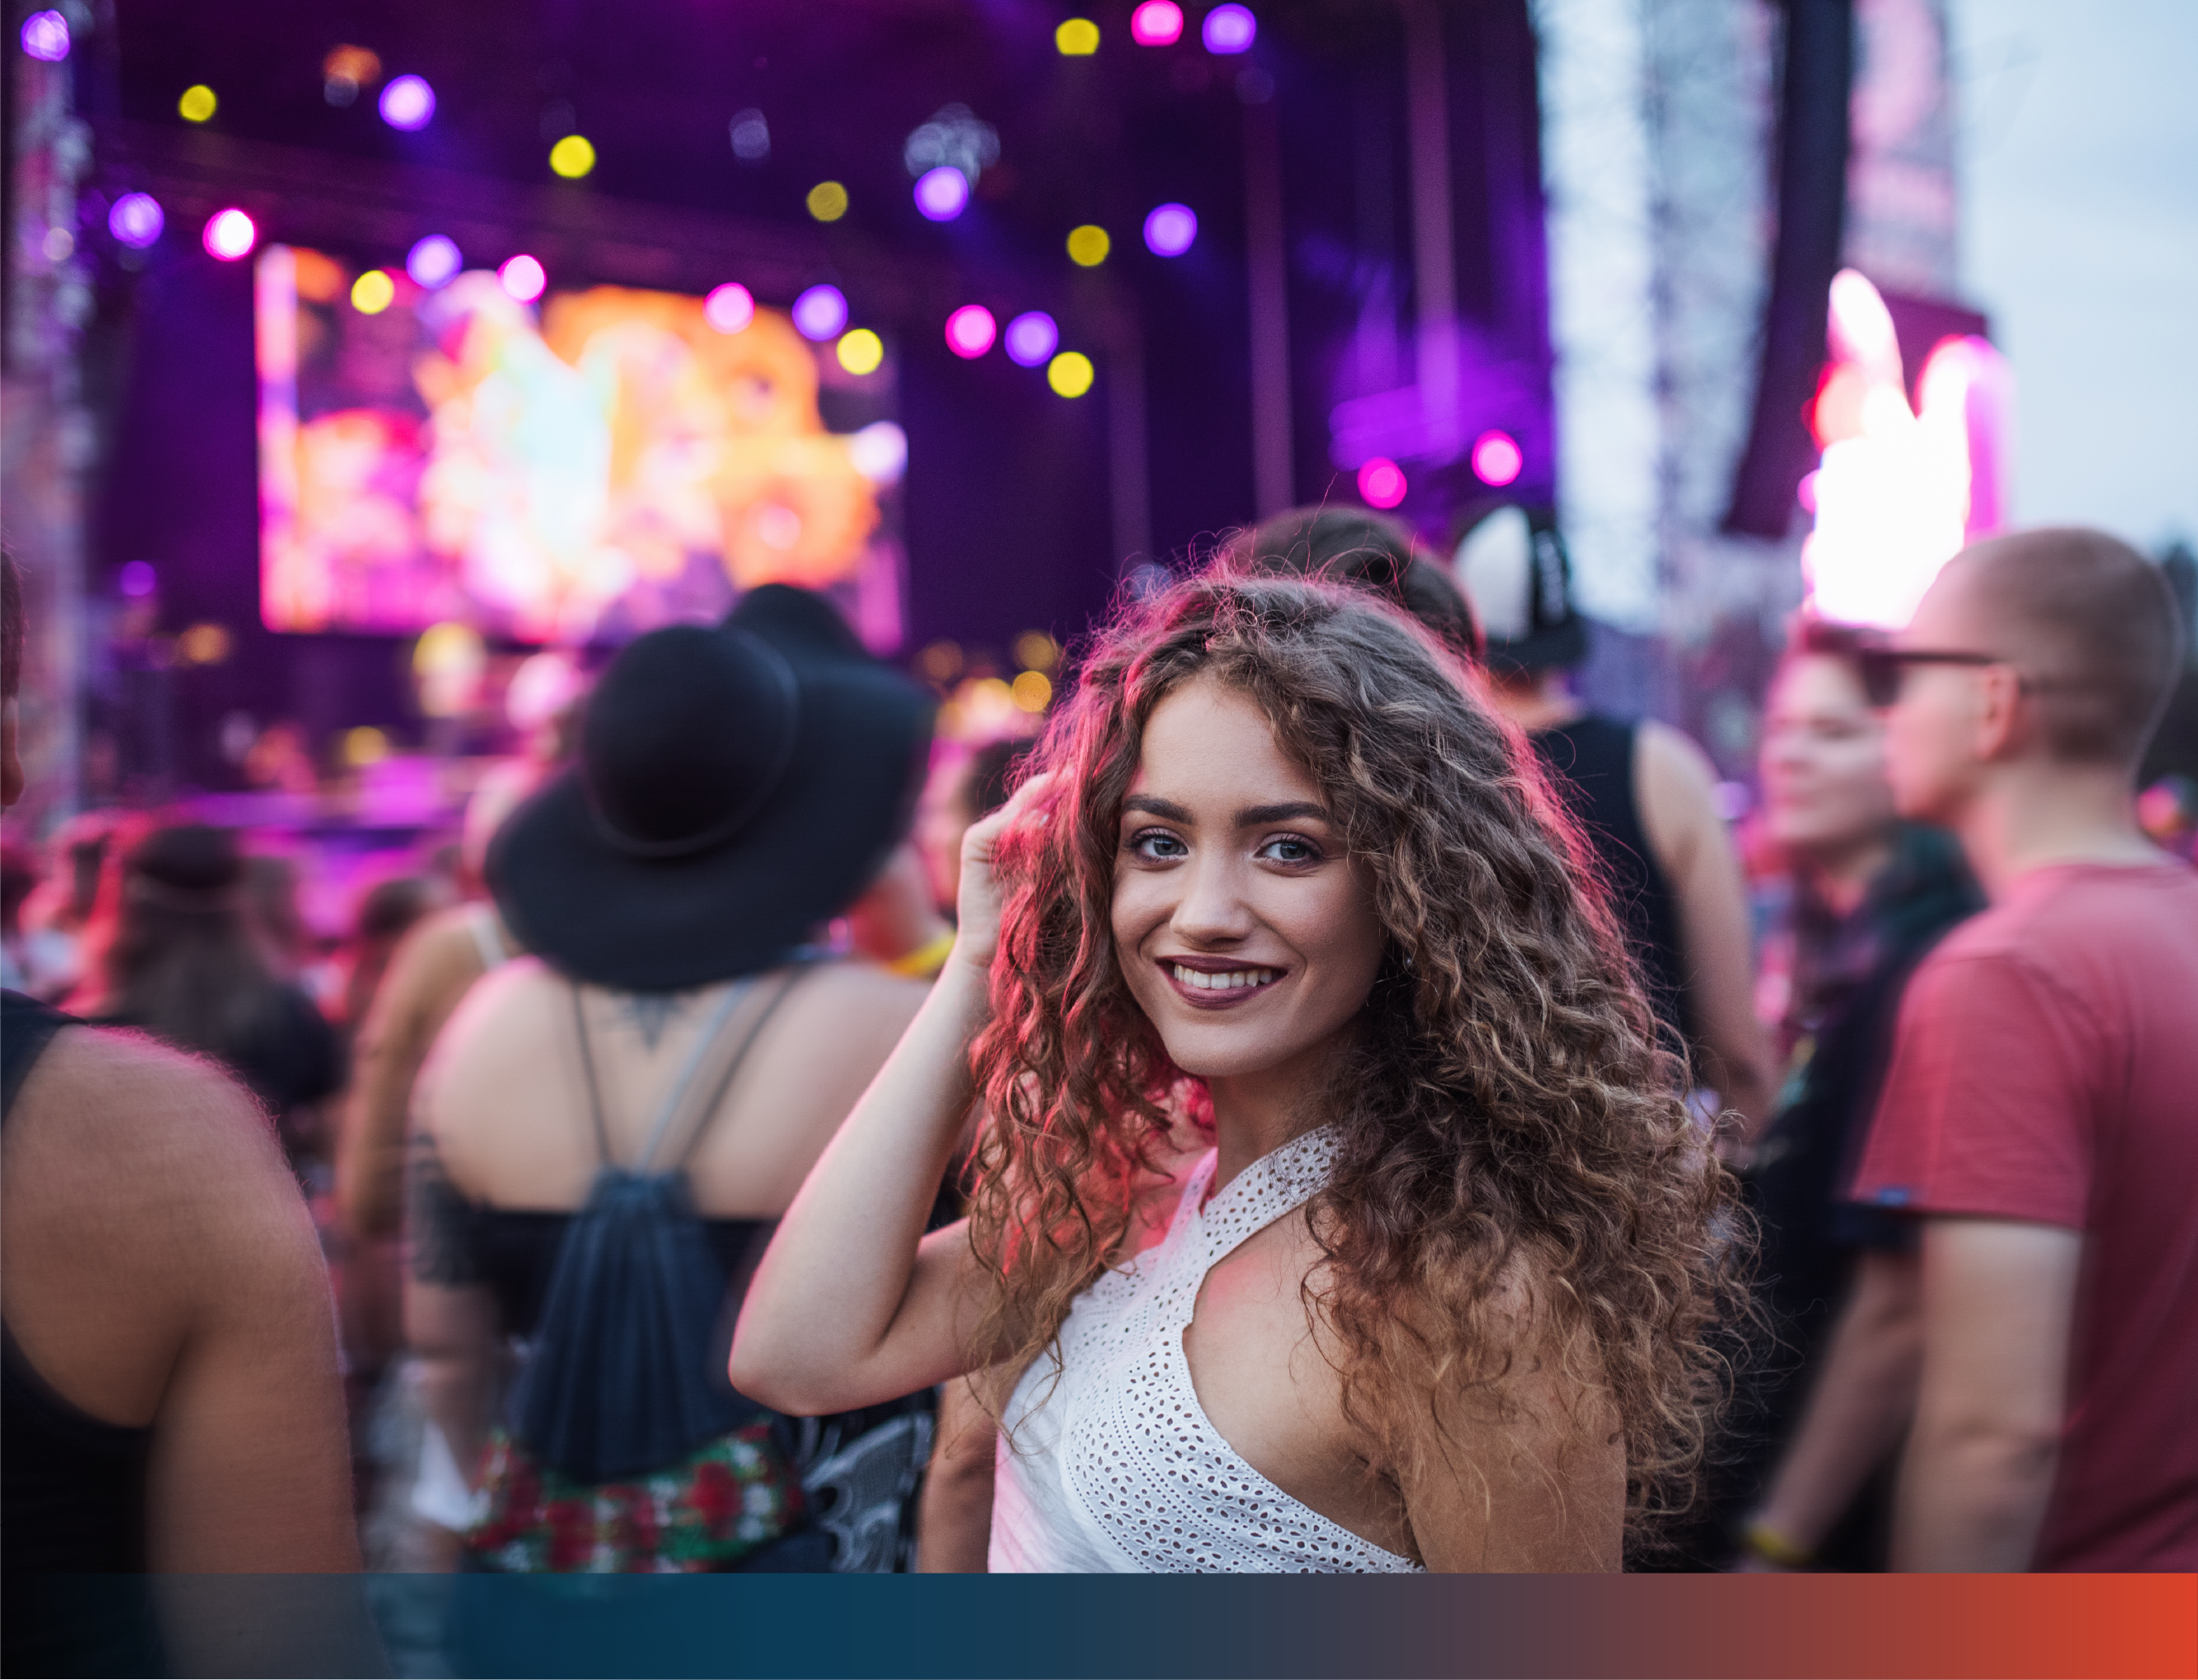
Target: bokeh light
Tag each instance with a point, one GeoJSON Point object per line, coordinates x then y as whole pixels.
{"type": "Point", "coordinates": [522, 278]}
{"type": "Point", "coordinates": [1077, 37]}
{"type": "Point", "coordinates": [1381, 482]}
{"type": "Point", "coordinates": [1031, 339]}
{"type": "Point", "coordinates": [942, 194]}
{"type": "Point", "coordinates": [408, 102]}
{"type": "Point", "coordinates": [1157, 23]}
{"type": "Point", "coordinates": [364, 746]}
{"type": "Point", "coordinates": [1088, 245]}
{"type": "Point", "coordinates": [138, 579]}
{"type": "Point", "coordinates": [879, 451]}
{"type": "Point", "coordinates": [229, 234]}
{"type": "Point", "coordinates": [203, 644]}
{"type": "Point", "coordinates": [861, 352]}
{"type": "Point", "coordinates": [1069, 373]}
{"type": "Point", "coordinates": [1032, 691]}
{"type": "Point", "coordinates": [434, 262]}
{"type": "Point", "coordinates": [828, 201]}
{"type": "Point", "coordinates": [573, 157]}
{"type": "Point", "coordinates": [1496, 458]}
{"type": "Point", "coordinates": [137, 219]}
{"type": "Point", "coordinates": [1170, 230]}
{"type": "Point", "coordinates": [345, 71]}
{"type": "Point", "coordinates": [46, 36]}
{"type": "Point", "coordinates": [1229, 28]}
{"type": "Point", "coordinates": [730, 307]}
{"type": "Point", "coordinates": [373, 292]}
{"type": "Point", "coordinates": [970, 331]}
{"type": "Point", "coordinates": [198, 103]}
{"type": "Point", "coordinates": [751, 134]}
{"type": "Point", "coordinates": [820, 313]}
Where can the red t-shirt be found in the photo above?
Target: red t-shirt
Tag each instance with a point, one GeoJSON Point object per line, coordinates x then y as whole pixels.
{"type": "Point", "coordinates": [2046, 1069]}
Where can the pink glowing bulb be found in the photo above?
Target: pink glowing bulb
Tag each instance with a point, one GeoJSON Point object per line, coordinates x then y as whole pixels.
{"type": "Point", "coordinates": [408, 102]}
{"type": "Point", "coordinates": [729, 308]}
{"type": "Point", "coordinates": [522, 279]}
{"type": "Point", "coordinates": [230, 235]}
{"type": "Point", "coordinates": [136, 219]}
{"type": "Point", "coordinates": [942, 194]}
{"type": "Point", "coordinates": [970, 331]}
{"type": "Point", "coordinates": [1157, 23]}
{"type": "Point", "coordinates": [1496, 458]}
{"type": "Point", "coordinates": [1381, 482]}
{"type": "Point", "coordinates": [434, 261]}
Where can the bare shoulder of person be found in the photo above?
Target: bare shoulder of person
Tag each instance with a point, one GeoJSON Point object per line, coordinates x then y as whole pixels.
{"type": "Point", "coordinates": [1675, 785]}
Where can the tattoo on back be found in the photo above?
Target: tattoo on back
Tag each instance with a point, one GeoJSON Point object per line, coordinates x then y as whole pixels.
{"type": "Point", "coordinates": [650, 1012]}
{"type": "Point", "coordinates": [435, 1223]}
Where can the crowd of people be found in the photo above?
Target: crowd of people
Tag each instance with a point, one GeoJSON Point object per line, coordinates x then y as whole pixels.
{"type": "Point", "coordinates": [1336, 1101]}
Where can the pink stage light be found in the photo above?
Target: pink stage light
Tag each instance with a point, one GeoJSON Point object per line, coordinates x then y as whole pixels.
{"type": "Point", "coordinates": [434, 262]}
{"type": "Point", "coordinates": [1230, 28]}
{"type": "Point", "coordinates": [408, 102]}
{"type": "Point", "coordinates": [139, 579]}
{"type": "Point", "coordinates": [1170, 230]}
{"type": "Point", "coordinates": [1381, 482]}
{"type": "Point", "coordinates": [46, 36]}
{"type": "Point", "coordinates": [522, 278]}
{"type": "Point", "coordinates": [230, 235]}
{"type": "Point", "coordinates": [970, 331]}
{"type": "Point", "coordinates": [136, 220]}
{"type": "Point", "coordinates": [1031, 339]}
{"type": "Point", "coordinates": [820, 313]}
{"type": "Point", "coordinates": [1496, 458]}
{"type": "Point", "coordinates": [729, 308]}
{"type": "Point", "coordinates": [942, 194]}
{"type": "Point", "coordinates": [1157, 23]}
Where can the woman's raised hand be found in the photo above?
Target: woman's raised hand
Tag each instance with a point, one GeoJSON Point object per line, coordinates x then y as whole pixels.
{"type": "Point", "coordinates": [979, 909]}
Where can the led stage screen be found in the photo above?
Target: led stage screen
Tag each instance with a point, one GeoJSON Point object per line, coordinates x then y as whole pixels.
{"type": "Point", "coordinates": [587, 470]}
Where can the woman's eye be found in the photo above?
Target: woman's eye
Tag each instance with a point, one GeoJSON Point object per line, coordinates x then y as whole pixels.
{"type": "Point", "coordinates": [1156, 844]}
{"type": "Point", "coordinates": [1291, 849]}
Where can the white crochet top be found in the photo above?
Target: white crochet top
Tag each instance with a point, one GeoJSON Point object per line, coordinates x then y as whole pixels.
{"type": "Point", "coordinates": [1113, 1466]}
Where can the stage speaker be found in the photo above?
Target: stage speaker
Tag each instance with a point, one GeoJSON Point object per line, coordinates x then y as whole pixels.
{"type": "Point", "coordinates": [1815, 82]}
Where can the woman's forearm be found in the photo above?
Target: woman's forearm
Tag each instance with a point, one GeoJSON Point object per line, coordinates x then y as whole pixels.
{"type": "Point", "coordinates": [850, 1305]}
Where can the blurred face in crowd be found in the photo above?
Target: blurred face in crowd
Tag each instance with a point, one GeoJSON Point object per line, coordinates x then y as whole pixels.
{"type": "Point", "coordinates": [942, 816]}
{"type": "Point", "coordinates": [1937, 731]}
{"type": "Point", "coordinates": [1248, 935]}
{"type": "Point", "coordinates": [1824, 786]}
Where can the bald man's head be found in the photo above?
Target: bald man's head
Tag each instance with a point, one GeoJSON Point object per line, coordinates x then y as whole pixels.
{"type": "Point", "coordinates": [2088, 620]}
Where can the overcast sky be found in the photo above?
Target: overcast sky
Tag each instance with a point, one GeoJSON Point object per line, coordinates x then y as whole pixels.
{"type": "Point", "coordinates": [2079, 183]}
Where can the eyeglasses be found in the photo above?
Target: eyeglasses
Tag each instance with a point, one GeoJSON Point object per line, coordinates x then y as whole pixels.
{"type": "Point", "coordinates": [1883, 668]}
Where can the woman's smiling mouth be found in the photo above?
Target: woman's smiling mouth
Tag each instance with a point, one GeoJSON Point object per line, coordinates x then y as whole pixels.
{"type": "Point", "coordinates": [1219, 988]}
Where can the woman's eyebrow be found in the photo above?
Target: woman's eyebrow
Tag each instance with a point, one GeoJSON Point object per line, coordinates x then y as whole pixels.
{"type": "Point", "coordinates": [1151, 806]}
{"type": "Point", "coordinates": [1257, 816]}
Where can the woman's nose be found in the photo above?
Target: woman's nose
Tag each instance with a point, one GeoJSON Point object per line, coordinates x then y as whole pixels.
{"type": "Point", "coordinates": [1213, 910]}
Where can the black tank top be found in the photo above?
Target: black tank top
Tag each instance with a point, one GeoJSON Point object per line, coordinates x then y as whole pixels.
{"type": "Point", "coordinates": [71, 1485]}
{"type": "Point", "coordinates": [1592, 761]}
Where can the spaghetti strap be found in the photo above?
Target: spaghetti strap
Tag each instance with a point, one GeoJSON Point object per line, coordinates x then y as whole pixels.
{"type": "Point", "coordinates": [703, 1115]}
{"type": "Point", "coordinates": [588, 1066]}
{"type": "Point", "coordinates": [674, 1103]}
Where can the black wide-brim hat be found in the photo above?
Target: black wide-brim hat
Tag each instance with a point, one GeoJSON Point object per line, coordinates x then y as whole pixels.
{"type": "Point", "coordinates": [737, 787]}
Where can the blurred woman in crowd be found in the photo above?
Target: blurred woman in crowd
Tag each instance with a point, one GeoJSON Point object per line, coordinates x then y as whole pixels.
{"type": "Point", "coordinates": [736, 789]}
{"type": "Point", "coordinates": [1872, 894]}
{"type": "Point", "coordinates": [185, 964]}
{"type": "Point", "coordinates": [1436, 1299]}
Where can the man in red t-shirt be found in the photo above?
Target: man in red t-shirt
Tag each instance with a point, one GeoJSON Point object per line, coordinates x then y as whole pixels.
{"type": "Point", "coordinates": [2041, 1111]}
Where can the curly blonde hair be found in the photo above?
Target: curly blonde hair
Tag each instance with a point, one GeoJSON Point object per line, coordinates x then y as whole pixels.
{"type": "Point", "coordinates": [1504, 1102]}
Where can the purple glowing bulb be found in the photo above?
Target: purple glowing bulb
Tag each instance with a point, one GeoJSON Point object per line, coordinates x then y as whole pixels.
{"type": "Point", "coordinates": [46, 36]}
{"type": "Point", "coordinates": [1031, 339]}
{"type": "Point", "coordinates": [136, 220]}
{"type": "Point", "coordinates": [138, 579]}
{"type": "Point", "coordinates": [434, 262]}
{"type": "Point", "coordinates": [942, 194]}
{"type": "Point", "coordinates": [820, 313]}
{"type": "Point", "coordinates": [1230, 28]}
{"type": "Point", "coordinates": [408, 102]}
{"type": "Point", "coordinates": [1171, 230]}
{"type": "Point", "coordinates": [970, 331]}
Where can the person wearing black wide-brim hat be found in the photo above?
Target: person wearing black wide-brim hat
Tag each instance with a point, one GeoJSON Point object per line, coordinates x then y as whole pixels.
{"type": "Point", "coordinates": [738, 789]}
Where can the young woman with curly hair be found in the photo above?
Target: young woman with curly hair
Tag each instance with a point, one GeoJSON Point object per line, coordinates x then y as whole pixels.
{"type": "Point", "coordinates": [1440, 1297]}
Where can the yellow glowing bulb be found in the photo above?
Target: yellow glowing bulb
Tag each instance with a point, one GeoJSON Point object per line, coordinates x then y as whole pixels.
{"type": "Point", "coordinates": [1032, 691]}
{"type": "Point", "coordinates": [1078, 37]}
{"type": "Point", "coordinates": [1069, 373]}
{"type": "Point", "coordinates": [828, 201]}
{"type": "Point", "coordinates": [1088, 245]}
{"type": "Point", "coordinates": [364, 746]}
{"type": "Point", "coordinates": [573, 156]}
{"type": "Point", "coordinates": [1037, 651]}
{"type": "Point", "coordinates": [861, 351]}
{"type": "Point", "coordinates": [197, 103]}
{"type": "Point", "coordinates": [373, 292]}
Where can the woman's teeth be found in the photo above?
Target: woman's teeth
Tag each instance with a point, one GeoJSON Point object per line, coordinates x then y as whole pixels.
{"type": "Point", "coordinates": [1234, 981]}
